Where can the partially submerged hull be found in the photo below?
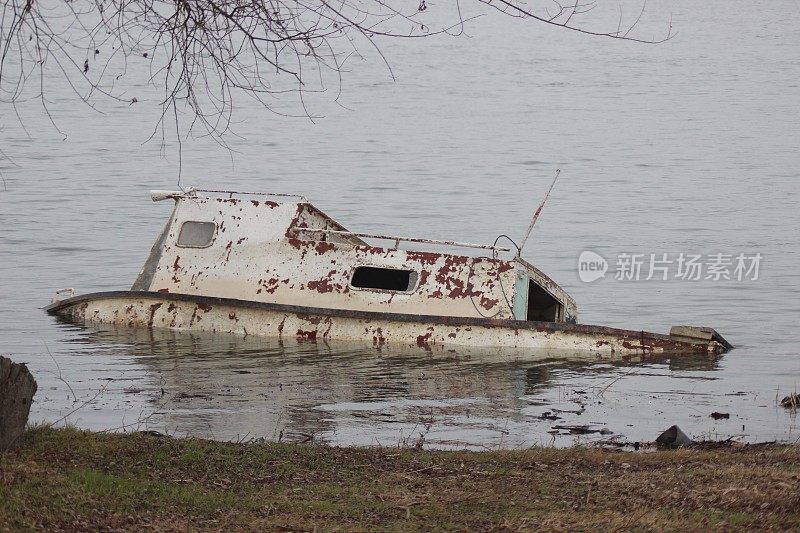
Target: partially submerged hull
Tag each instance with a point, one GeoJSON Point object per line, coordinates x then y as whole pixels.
{"type": "Point", "coordinates": [263, 264]}
{"type": "Point", "coordinates": [244, 317]}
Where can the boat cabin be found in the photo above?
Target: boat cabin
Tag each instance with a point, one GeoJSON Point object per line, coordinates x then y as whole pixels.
{"type": "Point", "coordinates": [282, 249]}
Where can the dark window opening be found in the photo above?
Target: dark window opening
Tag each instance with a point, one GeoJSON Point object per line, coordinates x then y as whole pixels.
{"type": "Point", "coordinates": [541, 304]}
{"type": "Point", "coordinates": [387, 279]}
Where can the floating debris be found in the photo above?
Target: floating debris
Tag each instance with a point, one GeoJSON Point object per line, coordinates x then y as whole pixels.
{"type": "Point", "coordinates": [792, 401]}
{"type": "Point", "coordinates": [576, 430]}
{"type": "Point", "coordinates": [191, 396]}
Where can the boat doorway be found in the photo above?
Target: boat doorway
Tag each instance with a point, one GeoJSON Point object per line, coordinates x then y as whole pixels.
{"type": "Point", "coordinates": [542, 306]}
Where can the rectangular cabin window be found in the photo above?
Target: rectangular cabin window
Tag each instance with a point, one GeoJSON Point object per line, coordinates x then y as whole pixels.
{"type": "Point", "coordinates": [196, 234]}
{"type": "Point", "coordinates": [386, 279]}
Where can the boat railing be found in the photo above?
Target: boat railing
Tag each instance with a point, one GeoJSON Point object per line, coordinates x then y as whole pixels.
{"type": "Point", "coordinates": [251, 193]}
{"type": "Point", "coordinates": [158, 195]}
{"type": "Point", "coordinates": [397, 239]}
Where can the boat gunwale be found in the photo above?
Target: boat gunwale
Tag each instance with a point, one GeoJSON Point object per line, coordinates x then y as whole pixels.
{"type": "Point", "coordinates": [376, 315]}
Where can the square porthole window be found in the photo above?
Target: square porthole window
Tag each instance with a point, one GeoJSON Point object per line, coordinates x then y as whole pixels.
{"type": "Point", "coordinates": [196, 234]}
{"type": "Point", "coordinates": [384, 279]}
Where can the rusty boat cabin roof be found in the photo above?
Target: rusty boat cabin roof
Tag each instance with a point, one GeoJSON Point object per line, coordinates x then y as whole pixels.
{"type": "Point", "coordinates": [280, 248]}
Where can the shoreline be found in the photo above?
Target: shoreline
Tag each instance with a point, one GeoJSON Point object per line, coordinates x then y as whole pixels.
{"type": "Point", "coordinates": [74, 479]}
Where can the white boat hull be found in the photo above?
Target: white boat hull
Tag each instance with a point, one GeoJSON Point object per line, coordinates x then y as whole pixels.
{"type": "Point", "coordinates": [222, 315]}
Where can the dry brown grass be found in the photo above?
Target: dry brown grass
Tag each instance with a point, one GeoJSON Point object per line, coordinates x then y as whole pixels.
{"type": "Point", "coordinates": [68, 479]}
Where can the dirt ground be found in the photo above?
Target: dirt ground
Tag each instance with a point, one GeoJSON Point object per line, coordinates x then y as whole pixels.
{"type": "Point", "coordinates": [68, 479]}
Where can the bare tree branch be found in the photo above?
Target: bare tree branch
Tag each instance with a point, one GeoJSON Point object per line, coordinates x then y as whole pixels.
{"type": "Point", "coordinates": [204, 53]}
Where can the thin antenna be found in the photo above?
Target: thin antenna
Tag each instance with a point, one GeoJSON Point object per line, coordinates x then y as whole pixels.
{"type": "Point", "coordinates": [536, 214]}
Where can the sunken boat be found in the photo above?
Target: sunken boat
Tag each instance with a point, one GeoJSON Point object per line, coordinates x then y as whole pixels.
{"type": "Point", "coordinates": [275, 265]}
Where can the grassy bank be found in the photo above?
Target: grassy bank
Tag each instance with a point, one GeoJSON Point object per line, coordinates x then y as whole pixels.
{"type": "Point", "coordinates": [72, 479]}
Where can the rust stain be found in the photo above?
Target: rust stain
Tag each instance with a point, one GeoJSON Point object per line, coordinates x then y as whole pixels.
{"type": "Point", "coordinates": [270, 285]}
{"type": "Point", "coordinates": [310, 335]}
{"type": "Point", "coordinates": [460, 289]}
{"type": "Point", "coordinates": [324, 284]}
{"type": "Point", "coordinates": [175, 268]}
{"type": "Point", "coordinates": [377, 338]}
{"type": "Point", "coordinates": [153, 309]}
{"type": "Point", "coordinates": [637, 346]}
{"type": "Point", "coordinates": [504, 266]}
{"type": "Point", "coordinates": [424, 258]}
{"type": "Point", "coordinates": [423, 277]}
{"type": "Point", "coordinates": [488, 303]}
{"type": "Point", "coordinates": [446, 276]}
{"type": "Point", "coordinates": [323, 247]}
{"type": "Point", "coordinates": [329, 322]}
{"type": "Point", "coordinates": [422, 340]}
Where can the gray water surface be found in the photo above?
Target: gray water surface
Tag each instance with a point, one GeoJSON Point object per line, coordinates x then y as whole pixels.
{"type": "Point", "coordinates": [690, 146]}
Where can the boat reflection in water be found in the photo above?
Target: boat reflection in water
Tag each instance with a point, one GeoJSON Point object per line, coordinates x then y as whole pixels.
{"type": "Point", "coordinates": [241, 388]}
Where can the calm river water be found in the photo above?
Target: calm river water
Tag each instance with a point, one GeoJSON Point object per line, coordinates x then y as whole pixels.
{"type": "Point", "coordinates": [688, 147]}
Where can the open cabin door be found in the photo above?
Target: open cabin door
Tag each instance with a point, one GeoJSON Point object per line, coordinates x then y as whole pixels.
{"type": "Point", "coordinates": [543, 306]}
{"type": "Point", "coordinates": [532, 302]}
